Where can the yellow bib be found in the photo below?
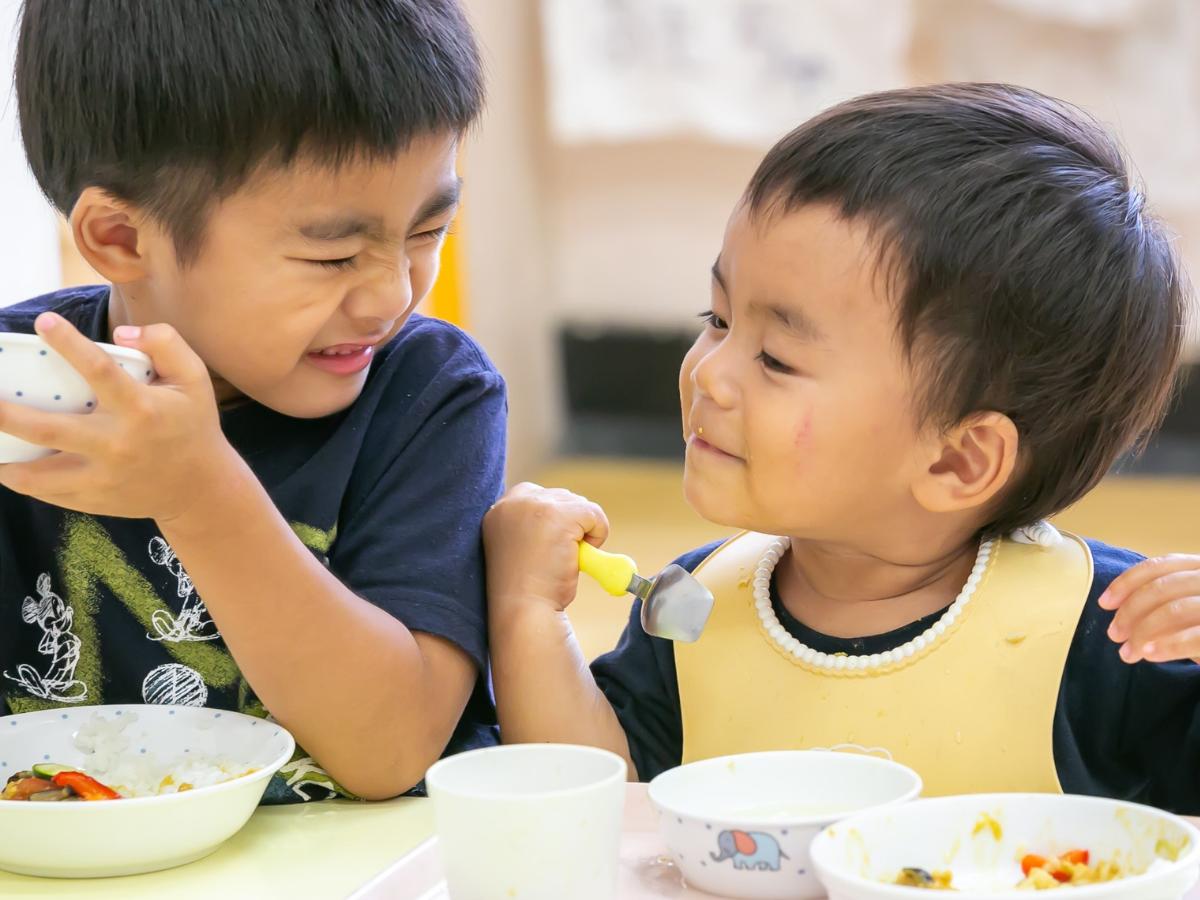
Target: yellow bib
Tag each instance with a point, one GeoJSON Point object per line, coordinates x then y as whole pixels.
{"type": "Point", "coordinates": [974, 712]}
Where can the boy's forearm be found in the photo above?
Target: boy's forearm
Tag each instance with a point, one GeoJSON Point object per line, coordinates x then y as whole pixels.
{"type": "Point", "coordinates": [372, 702]}
{"type": "Point", "coordinates": [545, 692]}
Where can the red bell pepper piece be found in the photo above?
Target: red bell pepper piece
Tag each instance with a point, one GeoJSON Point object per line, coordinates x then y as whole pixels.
{"type": "Point", "coordinates": [85, 786]}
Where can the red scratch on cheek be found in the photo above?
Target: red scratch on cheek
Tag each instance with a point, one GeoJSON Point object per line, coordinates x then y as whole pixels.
{"type": "Point", "coordinates": [804, 432]}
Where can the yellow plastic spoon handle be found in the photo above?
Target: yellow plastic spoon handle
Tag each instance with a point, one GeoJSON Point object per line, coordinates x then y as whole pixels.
{"type": "Point", "coordinates": [612, 571]}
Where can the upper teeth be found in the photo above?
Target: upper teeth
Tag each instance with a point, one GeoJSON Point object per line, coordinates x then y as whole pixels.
{"type": "Point", "coordinates": [334, 352]}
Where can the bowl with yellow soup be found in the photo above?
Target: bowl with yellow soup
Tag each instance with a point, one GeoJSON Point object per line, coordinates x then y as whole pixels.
{"type": "Point", "coordinates": [1005, 845]}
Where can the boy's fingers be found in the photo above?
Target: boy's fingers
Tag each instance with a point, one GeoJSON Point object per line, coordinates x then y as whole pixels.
{"type": "Point", "coordinates": [1160, 591]}
{"type": "Point", "coordinates": [1179, 645]}
{"type": "Point", "coordinates": [1130, 580]}
{"type": "Point", "coordinates": [1163, 621]}
{"type": "Point", "coordinates": [173, 359]}
{"type": "Point", "coordinates": [55, 431]}
{"type": "Point", "coordinates": [111, 384]}
{"type": "Point", "coordinates": [48, 478]}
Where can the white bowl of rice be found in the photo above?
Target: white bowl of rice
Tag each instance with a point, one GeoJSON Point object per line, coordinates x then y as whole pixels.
{"type": "Point", "coordinates": [189, 778]}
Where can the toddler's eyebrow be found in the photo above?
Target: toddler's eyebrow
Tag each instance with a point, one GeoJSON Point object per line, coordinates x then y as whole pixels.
{"type": "Point", "coordinates": [801, 326]}
{"type": "Point", "coordinates": [716, 274]}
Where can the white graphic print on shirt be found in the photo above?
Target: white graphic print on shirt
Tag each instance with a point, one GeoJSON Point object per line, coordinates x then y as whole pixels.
{"type": "Point", "coordinates": [191, 624]}
{"type": "Point", "coordinates": [54, 617]}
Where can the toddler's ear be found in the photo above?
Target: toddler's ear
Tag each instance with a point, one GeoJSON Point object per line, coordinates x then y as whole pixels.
{"type": "Point", "coordinates": [969, 465]}
{"type": "Point", "coordinates": [107, 234]}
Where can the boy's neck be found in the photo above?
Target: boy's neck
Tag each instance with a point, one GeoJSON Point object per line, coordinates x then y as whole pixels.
{"type": "Point", "coordinates": [118, 311]}
{"type": "Point", "coordinates": [848, 592]}
{"type": "Point", "coordinates": [119, 314]}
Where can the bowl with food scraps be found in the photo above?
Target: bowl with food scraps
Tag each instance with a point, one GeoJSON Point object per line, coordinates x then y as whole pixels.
{"type": "Point", "coordinates": [95, 791]}
{"type": "Point", "coordinates": [740, 826]}
{"type": "Point", "coordinates": [33, 374]}
{"type": "Point", "coordinates": [1001, 845]}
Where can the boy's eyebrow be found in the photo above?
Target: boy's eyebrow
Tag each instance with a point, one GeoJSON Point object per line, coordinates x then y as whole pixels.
{"type": "Point", "coordinates": [800, 325]}
{"type": "Point", "coordinates": [348, 225]}
{"type": "Point", "coordinates": [441, 202]}
{"type": "Point", "coordinates": [340, 227]}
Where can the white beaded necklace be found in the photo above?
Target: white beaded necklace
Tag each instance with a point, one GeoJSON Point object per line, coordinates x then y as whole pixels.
{"type": "Point", "coordinates": [839, 662]}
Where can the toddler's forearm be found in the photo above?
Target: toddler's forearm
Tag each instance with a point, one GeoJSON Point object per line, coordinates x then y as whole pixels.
{"type": "Point", "coordinates": [545, 692]}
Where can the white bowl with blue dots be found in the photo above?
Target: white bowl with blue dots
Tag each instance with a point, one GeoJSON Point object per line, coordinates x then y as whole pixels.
{"type": "Point", "coordinates": [140, 834]}
{"type": "Point", "coordinates": [34, 375]}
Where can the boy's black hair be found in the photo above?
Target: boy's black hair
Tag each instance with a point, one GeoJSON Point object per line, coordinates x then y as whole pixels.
{"type": "Point", "coordinates": [1028, 277]}
{"type": "Point", "coordinates": [171, 104]}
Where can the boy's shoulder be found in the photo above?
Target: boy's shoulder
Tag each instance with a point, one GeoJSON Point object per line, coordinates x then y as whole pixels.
{"type": "Point", "coordinates": [85, 307]}
{"type": "Point", "coordinates": [435, 348]}
{"type": "Point", "coordinates": [1107, 563]}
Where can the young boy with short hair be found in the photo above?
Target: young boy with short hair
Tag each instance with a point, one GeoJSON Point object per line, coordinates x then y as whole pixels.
{"type": "Point", "coordinates": [938, 317]}
{"type": "Point", "coordinates": [287, 519]}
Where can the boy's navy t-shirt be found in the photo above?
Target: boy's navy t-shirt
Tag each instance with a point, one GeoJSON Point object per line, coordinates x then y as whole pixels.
{"type": "Point", "coordinates": [389, 493]}
{"type": "Point", "coordinates": [1129, 732]}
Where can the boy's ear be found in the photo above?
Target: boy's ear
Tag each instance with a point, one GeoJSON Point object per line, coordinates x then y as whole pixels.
{"type": "Point", "coordinates": [971, 464]}
{"type": "Point", "coordinates": [107, 234]}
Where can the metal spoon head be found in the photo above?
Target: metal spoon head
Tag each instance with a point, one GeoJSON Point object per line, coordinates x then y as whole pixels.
{"type": "Point", "coordinates": [677, 606]}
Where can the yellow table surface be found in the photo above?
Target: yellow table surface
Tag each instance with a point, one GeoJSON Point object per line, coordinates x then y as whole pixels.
{"type": "Point", "coordinates": [307, 850]}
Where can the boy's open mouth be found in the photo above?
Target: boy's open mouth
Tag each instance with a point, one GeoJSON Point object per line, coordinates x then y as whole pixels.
{"type": "Point", "coordinates": [343, 359]}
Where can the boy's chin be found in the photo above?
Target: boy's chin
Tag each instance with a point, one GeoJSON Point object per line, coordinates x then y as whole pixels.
{"type": "Point", "coordinates": [311, 405]}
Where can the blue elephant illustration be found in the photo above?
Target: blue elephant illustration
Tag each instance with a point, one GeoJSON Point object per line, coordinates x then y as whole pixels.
{"type": "Point", "coordinates": [749, 850]}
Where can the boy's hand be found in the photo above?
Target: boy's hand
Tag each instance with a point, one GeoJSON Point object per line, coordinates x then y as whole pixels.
{"type": "Point", "coordinates": [146, 451]}
{"type": "Point", "coordinates": [1158, 609]}
{"type": "Point", "coordinates": [531, 538]}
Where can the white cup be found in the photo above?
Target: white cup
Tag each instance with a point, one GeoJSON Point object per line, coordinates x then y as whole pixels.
{"type": "Point", "coordinates": [529, 822]}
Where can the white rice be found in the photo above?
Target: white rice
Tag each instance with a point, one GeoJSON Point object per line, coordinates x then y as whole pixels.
{"type": "Point", "coordinates": [109, 759]}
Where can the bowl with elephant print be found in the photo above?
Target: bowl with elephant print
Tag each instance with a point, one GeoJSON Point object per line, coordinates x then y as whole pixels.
{"type": "Point", "coordinates": [32, 374]}
{"type": "Point", "coordinates": [741, 826]}
{"type": "Point", "coordinates": [94, 791]}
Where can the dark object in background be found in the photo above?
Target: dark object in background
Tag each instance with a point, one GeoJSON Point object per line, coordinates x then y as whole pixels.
{"type": "Point", "coordinates": [622, 390]}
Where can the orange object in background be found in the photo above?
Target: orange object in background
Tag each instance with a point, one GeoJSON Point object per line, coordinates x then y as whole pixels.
{"type": "Point", "coordinates": [447, 299]}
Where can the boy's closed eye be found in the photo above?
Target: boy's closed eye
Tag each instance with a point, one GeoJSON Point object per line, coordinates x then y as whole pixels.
{"type": "Point", "coordinates": [431, 235]}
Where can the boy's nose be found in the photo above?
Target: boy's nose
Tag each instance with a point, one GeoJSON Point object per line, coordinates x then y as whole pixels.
{"type": "Point", "coordinates": [385, 299]}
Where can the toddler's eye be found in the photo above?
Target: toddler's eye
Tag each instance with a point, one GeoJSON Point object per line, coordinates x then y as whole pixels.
{"type": "Point", "coordinates": [774, 365]}
{"type": "Point", "coordinates": [713, 320]}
